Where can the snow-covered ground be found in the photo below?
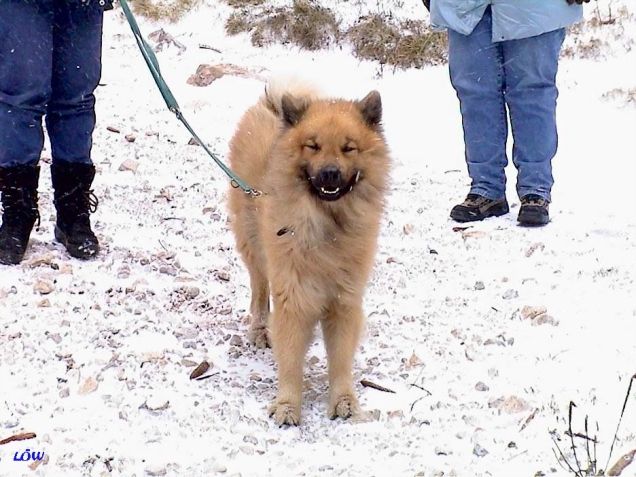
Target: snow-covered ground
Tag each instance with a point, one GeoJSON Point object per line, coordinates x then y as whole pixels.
{"type": "Point", "coordinates": [95, 356]}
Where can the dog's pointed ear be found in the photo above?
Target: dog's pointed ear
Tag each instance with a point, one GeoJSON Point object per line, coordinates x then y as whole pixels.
{"type": "Point", "coordinates": [293, 109]}
{"type": "Point", "coordinates": [371, 108]}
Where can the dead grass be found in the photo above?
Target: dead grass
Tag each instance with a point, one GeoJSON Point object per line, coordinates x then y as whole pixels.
{"type": "Point", "coordinates": [244, 3]}
{"type": "Point", "coordinates": [305, 24]}
{"type": "Point", "coordinates": [171, 10]}
{"type": "Point", "coordinates": [624, 97]}
{"type": "Point", "coordinates": [403, 45]}
{"type": "Point", "coordinates": [602, 35]}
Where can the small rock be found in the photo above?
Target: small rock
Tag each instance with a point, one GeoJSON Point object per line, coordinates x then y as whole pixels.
{"type": "Point", "coordinates": [188, 363]}
{"type": "Point", "coordinates": [200, 370]}
{"type": "Point", "coordinates": [40, 261]}
{"type": "Point", "coordinates": [414, 361]}
{"type": "Point", "coordinates": [510, 404]}
{"type": "Point", "coordinates": [113, 129]}
{"type": "Point", "coordinates": [191, 292]}
{"type": "Point", "coordinates": [510, 294]}
{"type": "Point", "coordinates": [480, 386]}
{"type": "Point", "coordinates": [88, 386]}
{"type": "Point", "coordinates": [156, 470]}
{"type": "Point", "coordinates": [479, 285]}
{"type": "Point", "coordinates": [479, 451]}
{"type": "Point", "coordinates": [43, 287]}
{"type": "Point", "coordinates": [470, 353]}
{"type": "Point", "coordinates": [473, 234]}
{"type": "Point", "coordinates": [534, 247]}
{"type": "Point", "coordinates": [408, 229]}
{"type": "Point", "coordinates": [250, 440]}
{"type": "Point", "coordinates": [222, 275]}
{"type": "Point", "coordinates": [64, 393]}
{"type": "Point", "coordinates": [44, 303]}
{"type": "Point", "coordinates": [187, 333]}
{"type": "Point", "coordinates": [130, 137]}
{"type": "Point", "coordinates": [123, 272]}
{"type": "Point", "coordinates": [129, 165]}
{"type": "Point", "coordinates": [206, 74]}
{"type": "Point", "coordinates": [57, 339]}
{"type": "Point", "coordinates": [544, 319]}
{"type": "Point", "coordinates": [395, 414]}
{"type": "Point", "coordinates": [156, 403]}
{"type": "Point", "coordinates": [530, 312]}
{"type": "Point", "coordinates": [236, 341]}
{"type": "Point", "coordinates": [440, 451]}
{"type": "Point", "coordinates": [168, 270]}
{"type": "Point", "coordinates": [219, 468]}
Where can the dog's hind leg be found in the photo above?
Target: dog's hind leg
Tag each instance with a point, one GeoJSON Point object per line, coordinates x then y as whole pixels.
{"type": "Point", "coordinates": [341, 330]}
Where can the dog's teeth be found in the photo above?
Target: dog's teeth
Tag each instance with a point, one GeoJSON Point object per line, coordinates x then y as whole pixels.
{"type": "Point", "coordinates": [330, 192]}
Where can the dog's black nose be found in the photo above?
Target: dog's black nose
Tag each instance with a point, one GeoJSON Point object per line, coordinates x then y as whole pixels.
{"type": "Point", "coordinates": [330, 177]}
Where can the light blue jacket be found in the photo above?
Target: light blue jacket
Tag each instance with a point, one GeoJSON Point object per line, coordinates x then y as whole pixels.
{"type": "Point", "coordinates": [511, 19]}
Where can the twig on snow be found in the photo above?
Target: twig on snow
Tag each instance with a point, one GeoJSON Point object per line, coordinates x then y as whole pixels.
{"type": "Point", "coordinates": [369, 384]}
{"type": "Point", "coordinates": [18, 437]}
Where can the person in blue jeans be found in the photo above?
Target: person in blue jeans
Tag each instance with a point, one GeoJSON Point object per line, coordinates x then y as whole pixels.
{"type": "Point", "coordinates": [50, 65]}
{"type": "Point", "coordinates": [503, 58]}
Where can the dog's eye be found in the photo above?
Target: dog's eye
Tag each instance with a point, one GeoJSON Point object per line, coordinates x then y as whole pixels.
{"type": "Point", "coordinates": [348, 148]}
{"type": "Point", "coordinates": [313, 146]}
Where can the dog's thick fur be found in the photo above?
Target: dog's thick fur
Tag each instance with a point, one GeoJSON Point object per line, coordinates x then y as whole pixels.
{"type": "Point", "coordinates": [310, 246]}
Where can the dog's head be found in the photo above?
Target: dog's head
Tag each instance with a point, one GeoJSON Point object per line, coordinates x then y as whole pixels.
{"type": "Point", "coordinates": [335, 146]}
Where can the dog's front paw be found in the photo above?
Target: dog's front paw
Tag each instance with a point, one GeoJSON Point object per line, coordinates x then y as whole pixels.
{"type": "Point", "coordinates": [285, 413]}
{"type": "Point", "coordinates": [344, 406]}
{"type": "Point", "coordinates": [258, 336]}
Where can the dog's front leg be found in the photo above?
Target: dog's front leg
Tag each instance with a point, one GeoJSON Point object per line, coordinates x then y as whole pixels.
{"type": "Point", "coordinates": [341, 330]}
{"type": "Point", "coordinates": [291, 334]}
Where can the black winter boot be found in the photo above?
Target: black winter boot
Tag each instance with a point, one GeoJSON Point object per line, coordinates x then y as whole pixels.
{"type": "Point", "coordinates": [476, 207]}
{"type": "Point", "coordinates": [534, 211]}
{"type": "Point", "coordinates": [19, 188]}
{"type": "Point", "coordinates": [74, 201]}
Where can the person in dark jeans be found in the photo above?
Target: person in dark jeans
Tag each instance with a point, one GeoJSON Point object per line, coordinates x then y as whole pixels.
{"type": "Point", "coordinates": [503, 60]}
{"type": "Point", "coordinates": [50, 65]}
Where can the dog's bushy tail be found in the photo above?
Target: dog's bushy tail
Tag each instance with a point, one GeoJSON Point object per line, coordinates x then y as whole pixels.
{"type": "Point", "coordinates": [295, 87]}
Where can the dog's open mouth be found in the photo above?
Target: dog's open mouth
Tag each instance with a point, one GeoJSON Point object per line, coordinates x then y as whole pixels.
{"type": "Point", "coordinates": [331, 192]}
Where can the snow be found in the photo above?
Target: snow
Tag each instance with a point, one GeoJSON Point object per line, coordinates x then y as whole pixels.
{"type": "Point", "coordinates": [169, 290]}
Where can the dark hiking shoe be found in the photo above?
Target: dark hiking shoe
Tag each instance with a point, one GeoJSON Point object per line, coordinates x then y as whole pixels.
{"type": "Point", "coordinates": [534, 211]}
{"type": "Point", "coordinates": [19, 189]}
{"type": "Point", "coordinates": [477, 207]}
{"type": "Point", "coordinates": [74, 202]}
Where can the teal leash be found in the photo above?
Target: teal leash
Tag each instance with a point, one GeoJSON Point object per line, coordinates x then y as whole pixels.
{"type": "Point", "coordinates": [171, 102]}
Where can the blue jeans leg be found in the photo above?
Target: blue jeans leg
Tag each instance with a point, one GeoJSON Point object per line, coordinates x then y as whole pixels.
{"type": "Point", "coordinates": [26, 42]}
{"type": "Point", "coordinates": [530, 67]}
{"type": "Point", "coordinates": [476, 71]}
{"type": "Point", "coordinates": [70, 114]}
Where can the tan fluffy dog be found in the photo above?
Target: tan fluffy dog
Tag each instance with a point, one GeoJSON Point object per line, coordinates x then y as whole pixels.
{"type": "Point", "coordinates": [310, 240]}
